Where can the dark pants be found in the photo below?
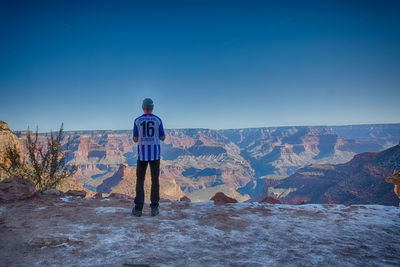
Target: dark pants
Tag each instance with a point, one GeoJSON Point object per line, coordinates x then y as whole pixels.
{"type": "Point", "coordinates": [155, 185]}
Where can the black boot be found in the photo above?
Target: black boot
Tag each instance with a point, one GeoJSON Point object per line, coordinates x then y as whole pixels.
{"type": "Point", "coordinates": [154, 211]}
{"type": "Point", "coordinates": [136, 212]}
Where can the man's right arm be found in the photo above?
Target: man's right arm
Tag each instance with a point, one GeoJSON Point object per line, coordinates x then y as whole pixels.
{"type": "Point", "coordinates": [161, 132]}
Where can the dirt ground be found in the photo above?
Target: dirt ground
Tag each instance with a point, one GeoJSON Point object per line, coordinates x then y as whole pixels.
{"type": "Point", "coordinates": [71, 231]}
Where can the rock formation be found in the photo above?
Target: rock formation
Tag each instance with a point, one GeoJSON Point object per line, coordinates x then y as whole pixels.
{"type": "Point", "coordinates": [52, 192]}
{"type": "Point", "coordinates": [7, 139]}
{"type": "Point", "coordinates": [98, 195]}
{"type": "Point", "coordinates": [202, 158]}
{"type": "Point", "coordinates": [359, 181]}
{"type": "Point", "coordinates": [395, 179]}
{"type": "Point", "coordinates": [257, 188]}
{"type": "Point", "coordinates": [71, 183]}
{"type": "Point", "coordinates": [124, 182]}
{"type": "Point", "coordinates": [16, 188]}
{"type": "Point", "coordinates": [208, 192]}
{"type": "Point", "coordinates": [76, 193]}
{"type": "Point", "coordinates": [185, 199]}
{"type": "Point", "coordinates": [270, 200]}
{"type": "Point", "coordinates": [221, 198]}
{"type": "Point", "coordinates": [283, 150]}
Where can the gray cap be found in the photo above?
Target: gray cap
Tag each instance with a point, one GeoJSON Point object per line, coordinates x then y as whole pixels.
{"type": "Point", "coordinates": [148, 104]}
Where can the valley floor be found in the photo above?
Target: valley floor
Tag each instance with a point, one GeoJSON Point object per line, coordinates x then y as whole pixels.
{"type": "Point", "coordinates": [67, 231]}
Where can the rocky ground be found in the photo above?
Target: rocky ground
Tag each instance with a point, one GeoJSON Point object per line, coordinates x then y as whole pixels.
{"type": "Point", "coordinates": [68, 231]}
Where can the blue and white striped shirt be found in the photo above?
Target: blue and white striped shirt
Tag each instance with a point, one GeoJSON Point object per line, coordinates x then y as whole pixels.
{"type": "Point", "coordinates": [148, 128]}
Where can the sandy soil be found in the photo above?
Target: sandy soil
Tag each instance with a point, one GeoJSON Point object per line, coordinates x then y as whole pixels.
{"type": "Point", "coordinates": [70, 231]}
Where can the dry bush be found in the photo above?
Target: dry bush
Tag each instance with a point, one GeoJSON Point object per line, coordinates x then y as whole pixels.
{"type": "Point", "coordinates": [46, 164]}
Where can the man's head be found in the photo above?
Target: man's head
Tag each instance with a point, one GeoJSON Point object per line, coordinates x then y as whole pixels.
{"type": "Point", "coordinates": [147, 105]}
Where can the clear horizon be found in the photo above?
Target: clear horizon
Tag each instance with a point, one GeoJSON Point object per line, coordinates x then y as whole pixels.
{"type": "Point", "coordinates": [206, 64]}
{"type": "Point", "coordinates": [214, 129]}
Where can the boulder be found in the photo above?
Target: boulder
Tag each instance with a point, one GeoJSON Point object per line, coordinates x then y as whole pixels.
{"type": "Point", "coordinates": [395, 179]}
{"type": "Point", "coordinates": [76, 193]}
{"type": "Point", "coordinates": [221, 198]}
{"type": "Point", "coordinates": [270, 200]}
{"type": "Point", "coordinates": [98, 195]}
{"type": "Point", "coordinates": [16, 188]}
{"type": "Point", "coordinates": [52, 192]}
{"type": "Point", "coordinates": [185, 199]}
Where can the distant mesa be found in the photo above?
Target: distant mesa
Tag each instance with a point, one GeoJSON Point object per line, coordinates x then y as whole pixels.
{"type": "Point", "coordinates": [359, 181]}
{"type": "Point", "coordinates": [108, 184]}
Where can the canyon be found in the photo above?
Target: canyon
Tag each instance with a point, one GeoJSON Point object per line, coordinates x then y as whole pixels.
{"type": "Point", "coordinates": [361, 180]}
{"type": "Point", "coordinates": [238, 161]}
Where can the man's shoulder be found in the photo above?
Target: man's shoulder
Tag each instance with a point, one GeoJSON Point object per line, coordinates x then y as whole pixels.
{"type": "Point", "coordinates": [144, 116]}
{"type": "Point", "coordinates": [156, 117]}
{"type": "Point", "coordinates": [141, 116]}
{"type": "Point", "coordinates": [152, 116]}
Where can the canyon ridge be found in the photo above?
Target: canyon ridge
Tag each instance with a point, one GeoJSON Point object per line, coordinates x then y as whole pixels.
{"type": "Point", "coordinates": [242, 163]}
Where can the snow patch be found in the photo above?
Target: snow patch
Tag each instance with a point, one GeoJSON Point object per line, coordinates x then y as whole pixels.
{"type": "Point", "coordinates": [110, 210]}
{"type": "Point", "coordinates": [66, 198]}
{"type": "Point", "coordinates": [201, 203]}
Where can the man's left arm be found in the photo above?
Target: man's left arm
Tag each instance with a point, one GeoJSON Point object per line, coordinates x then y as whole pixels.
{"type": "Point", "coordinates": [135, 133]}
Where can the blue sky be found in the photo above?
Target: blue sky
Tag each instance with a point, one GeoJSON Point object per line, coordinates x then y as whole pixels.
{"type": "Point", "coordinates": [206, 64]}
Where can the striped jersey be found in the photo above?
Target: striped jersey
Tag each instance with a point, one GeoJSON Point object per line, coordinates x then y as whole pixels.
{"type": "Point", "coordinates": [148, 128]}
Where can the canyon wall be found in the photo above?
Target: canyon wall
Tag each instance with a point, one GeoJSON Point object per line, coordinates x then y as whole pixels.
{"type": "Point", "coordinates": [201, 158]}
{"type": "Point", "coordinates": [359, 181]}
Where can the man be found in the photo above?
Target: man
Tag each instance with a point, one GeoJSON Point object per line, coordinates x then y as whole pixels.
{"type": "Point", "coordinates": [148, 130]}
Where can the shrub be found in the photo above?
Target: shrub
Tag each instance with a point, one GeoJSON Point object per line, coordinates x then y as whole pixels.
{"type": "Point", "coordinates": [14, 165]}
{"type": "Point", "coordinates": [46, 164]}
